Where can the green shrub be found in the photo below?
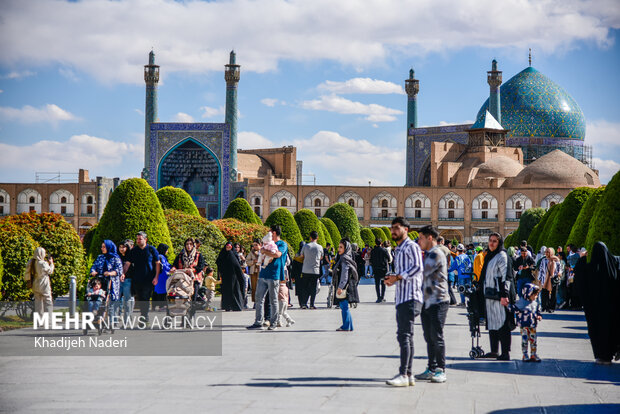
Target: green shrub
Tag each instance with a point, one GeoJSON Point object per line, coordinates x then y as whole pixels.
{"type": "Point", "coordinates": [544, 233]}
{"type": "Point", "coordinates": [528, 220]}
{"type": "Point", "coordinates": [328, 238]}
{"type": "Point", "coordinates": [537, 231]}
{"type": "Point", "coordinates": [344, 217]}
{"type": "Point", "coordinates": [237, 231]}
{"type": "Point", "coordinates": [1, 273]}
{"type": "Point", "coordinates": [133, 207]}
{"type": "Point", "coordinates": [290, 231]}
{"type": "Point", "coordinates": [182, 226]}
{"type": "Point", "coordinates": [566, 216]}
{"type": "Point", "coordinates": [176, 199]}
{"type": "Point", "coordinates": [606, 219]}
{"type": "Point", "coordinates": [88, 238]}
{"type": "Point", "coordinates": [17, 248]}
{"type": "Point", "coordinates": [579, 232]}
{"type": "Point", "coordinates": [61, 241]}
{"type": "Point", "coordinates": [508, 240]}
{"type": "Point", "coordinates": [379, 234]}
{"type": "Point", "coordinates": [388, 233]}
{"type": "Point", "coordinates": [368, 237]}
{"type": "Point", "coordinates": [241, 210]}
{"type": "Point", "coordinates": [307, 221]}
{"type": "Point", "coordinates": [257, 219]}
{"type": "Point", "coordinates": [413, 235]}
{"type": "Point", "coordinates": [333, 231]}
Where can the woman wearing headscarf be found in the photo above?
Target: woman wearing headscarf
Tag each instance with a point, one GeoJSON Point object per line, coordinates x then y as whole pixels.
{"type": "Point", "coordinates": [496, 293]}
{"type": "Point", "coordinates": [346, 279]}
{"type": "Point", "coordinates": [109, 268]}
{"type": "Point", "coordinates": [189, 260]}
{"type": "Point", "coordinates": [598, 285]}
{"type": "Point", "coordinates": [160, 287]}
{"type": "Point", "coordinates": [232, 278]}
{"type": "Point", "coordinates": [546, 274]}
{"type": "Point", "coordinates": [38, 271]}
{"type": "Point", "coordinates": [126, 294]}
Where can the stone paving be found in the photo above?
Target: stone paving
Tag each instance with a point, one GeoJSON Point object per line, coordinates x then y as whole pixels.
{"type": "Point", "coordinates": [310, 367]}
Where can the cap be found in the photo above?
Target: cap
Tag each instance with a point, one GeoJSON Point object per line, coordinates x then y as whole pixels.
{"type": "Point", "coordinates": [478, 248]}
{"type": "Point", "coordinates": [460, 247]}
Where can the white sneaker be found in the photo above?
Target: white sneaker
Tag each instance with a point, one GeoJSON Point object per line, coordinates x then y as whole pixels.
{"type": "Point", "coordinates": [398, 381]}
{"type": "Point", "coordinates": [439, 376]}
{"type": "Point", "coordinates": [411, 381]}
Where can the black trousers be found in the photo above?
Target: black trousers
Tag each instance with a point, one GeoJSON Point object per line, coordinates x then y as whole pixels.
{"type": "Point", "coordinates": [548, 299]}
{"type": "Point", "coordinates": [379, 282]}
{"type": "Point", "coordinates": [433, 320]}
{"type": "Point", "coordinates": [308, 289]}
{"type": "Point", "coordinates": [143, 290]}
{"type": "Point", "coordinates": [406, 313]}
{"type": "Point", "coordinates": [500, 336]}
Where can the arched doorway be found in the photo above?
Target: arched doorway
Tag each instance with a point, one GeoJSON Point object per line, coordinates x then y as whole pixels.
{"type": "Point", "coordinates": [193, 167]}
{"type": "Point", "coordinates": [452, 234]}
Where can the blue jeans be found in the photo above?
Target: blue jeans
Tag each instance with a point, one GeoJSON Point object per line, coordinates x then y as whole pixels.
{"type": "Point", "coordinates": [368, 270]}
{"type": "Point", "coordinates": [347, 320]}
{"type": "Point", "coordinates": [93, 305]}
{"type": "Point", "coordinates": [262, 287]}
{"type": "Point", "coordinates": [464, 281]}
{"type": "Point", "coordinates": [128, 300]}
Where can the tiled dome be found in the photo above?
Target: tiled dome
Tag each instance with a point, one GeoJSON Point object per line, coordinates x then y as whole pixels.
{"type": "Point", "coordinates": [532, 105]}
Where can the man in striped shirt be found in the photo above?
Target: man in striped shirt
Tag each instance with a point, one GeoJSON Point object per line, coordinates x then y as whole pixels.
{"type": "Point", "coordinates": [408, 267]}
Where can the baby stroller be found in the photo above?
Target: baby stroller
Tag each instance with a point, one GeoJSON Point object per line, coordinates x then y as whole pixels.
{"type": "Point", "coordinates": [180, 295]}
{"type": "Point", "coordinates": [473, 316]}
{"type": "Point", "coordinates": [99, 305]}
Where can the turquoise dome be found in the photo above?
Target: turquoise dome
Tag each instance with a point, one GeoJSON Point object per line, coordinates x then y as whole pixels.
{"type": "Point", "coordinates": [533, 105]}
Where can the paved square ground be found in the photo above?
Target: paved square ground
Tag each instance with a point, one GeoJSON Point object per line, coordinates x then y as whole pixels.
{"type": "Point", "coordinates": [312, 368]}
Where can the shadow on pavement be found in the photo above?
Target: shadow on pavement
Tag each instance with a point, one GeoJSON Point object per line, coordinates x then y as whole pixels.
{"type": "Point", "coordinates": [564, 409]}
{"type": "Point", "coordinates": [570, 335]}
{"type": "Point", "coordinates": [576, 316]}
{"type": "Point", "coordinates": [338, 382]}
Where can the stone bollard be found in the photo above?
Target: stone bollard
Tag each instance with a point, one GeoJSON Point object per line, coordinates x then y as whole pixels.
{"type": "Point", "coordinates": [72, 295]}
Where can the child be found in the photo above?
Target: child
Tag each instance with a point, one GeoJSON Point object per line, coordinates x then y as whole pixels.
{"type": "Point", "coordinates": [210, 283]}
{"type": "Point", "coordinates": [270, 245]}
{"type": "Point", "coordinates": [95, 295]}
{"type": "Point", "coordinates": [527, 315]}
{"type": "Point", "coordinates": [283, 305]}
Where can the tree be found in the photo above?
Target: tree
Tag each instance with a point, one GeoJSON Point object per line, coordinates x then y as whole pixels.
{"type": "Point", "coordinates": [388, 234]}
{"type": "Point", "coordinates": [182, 225]}
{"type": "Point", "coordinates": [307, 222]}
{"type": "Point", "coordinates": [606, 219]}
{"type": "Point", "coordinates": [61, 241]}
{"type": "Point", "coordinates": [566, 216]}
{"type": "Point", "coordinates": [241, 210]}
{"type": "Point", "coordinates": [236, 231]}
{"type": "Point", "coordinates": [17, 248]}
{"type": "Point", "coordinates": [368, 237]}
{"type": "Point", "coordinates": [379, 234]}
{"type": "Point", "coordinates": [332, 230]}
{"type": "Point", "coordinates": [579, 232]}
{"type": "Point", "coordinates": [88, 238]}
{"type": "Point", "coordinates": [177, 199]}
{"type": "Point", "coordinates": [528, 220]}
{"type": "Point", "coordinates": [544, 236]}
{"type": "Point", "coordinates": [344, 217]}
{"type": "Point", "coordinates": [132, 207]}
{"type": "Point", "coordinates": [290, 231]}
{"type": "Point", "coordinates": [328, 238]}
{"type": "Point", "coordinates": [537, 231]}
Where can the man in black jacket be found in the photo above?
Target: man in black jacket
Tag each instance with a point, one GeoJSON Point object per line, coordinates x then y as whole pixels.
{"type": "Point", "coordinates": [379, 260]}
{"type": "Point", "coordinates": [523, 266]}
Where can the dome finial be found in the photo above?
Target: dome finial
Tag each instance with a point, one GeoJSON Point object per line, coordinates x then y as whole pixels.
{"type": "Point", "coordinates": [530, 56]}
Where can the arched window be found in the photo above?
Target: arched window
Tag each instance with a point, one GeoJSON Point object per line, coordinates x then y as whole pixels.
{"type": "Point", "coordinates": [1, 199]}
{"type": "Point", "coordinates": [317, 202]}
{"type": "Point", "coordinates": [518, 205]}
{"type": "Point", "coordinates": [451, 204]}
{"type": "Point", "coordinates": [257, 201]}
{"type": "Point", "coordinates": [89, 200]}
{"type": "Point", "coordinates": [418, 204]}
{"type": "Point", "coordinates": [284, 202]}
{"type": "Point", "coordinates": [351, 202]}
{"type": "Point", "coordinates": [63, 200]}
{"type": "Point", "coordinates": [485, 204]}
{"type": "Point", "coordinates": [384, 203]}
{"type": "Point", "coordinates": [31, 200]}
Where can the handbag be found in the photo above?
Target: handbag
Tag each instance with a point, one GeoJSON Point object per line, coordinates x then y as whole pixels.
{"type": "Point", "coordinates": [342, 295]}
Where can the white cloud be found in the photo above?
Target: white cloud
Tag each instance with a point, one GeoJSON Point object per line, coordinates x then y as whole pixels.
{"type": "Point", "coordinates": [334, 103]}
{"type": "Point", "coordinates": [606, 169]}
{"type": "Point", "coordinates": [252, 140]}
{"type": "Point", "coordinates": [604, 137]}
{"type": "Point", "coordinates": [18, 74]}
{"type": "Point", "coordinates": [271, 102]}
{"type": "Point", "coordinates": [342, 160]}
{"type": "Point", "coordinates": [446, 123]}
{"type": "Point", "coordinates": [79, 151]}
{"type": "Point", "coordinates": [1, 91]}
{"type": "Point", "coordinates": [69, 74]}
{"type": "Point", "coordinates": [28, 114]}
{"type": "Point", "coordinates": [210, 112]}
{"type": "Point", "coordinates": [362, 86]}
{"type": "Point", "coordinates": [195, 36]}
{"type": "Point", "coordinates": [183, 117]}
{"type": "Point", "coordinates": [139, 111]}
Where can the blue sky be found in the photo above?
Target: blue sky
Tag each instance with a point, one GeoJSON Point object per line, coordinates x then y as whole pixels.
{"type": "Point", "coordinates": [324, 76]}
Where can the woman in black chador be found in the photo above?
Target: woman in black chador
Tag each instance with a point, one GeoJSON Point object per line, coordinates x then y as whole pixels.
{"type": "Point", "coordinates": [231, 275]}
{"type": "Point", "coordinates": [597, 283]}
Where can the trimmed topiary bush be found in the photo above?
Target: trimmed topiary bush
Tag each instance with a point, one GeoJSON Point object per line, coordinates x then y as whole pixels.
{"type": "Point", "coordinates": [133, 207]}
{"type": "Point", "coordinates": [388, 233]}
{"type": "Point", "coordinates": [378, 233]}
{"type": "Point", "coordinates": [413, 235]}
{"type": "Point", "coordinates": [176, 199]}
{"type": "Point", "coordinates": [333, 231]}
{"type": "Point", "coordinates": [241, 210]}
{"type": "Point", "coordinates": [88, 238]}
{"type": "Point", "coordinates": [344, 217]}
{"type": "Point", "coordinates": [530, 218]}
{"type": "Point", "coordinates": [257, 219]}
{"type": "Point", "coordinates": [543, 240]}
{"type": "Point", "coordinates": [537, 231]}
{"type": "Point", "coordinates": [328, 238]}
{"type": "Point", "coordinates": [566, 216]}
{"type": "Point", "coordinates": [182, 226]}
{"type": "Point", "coordinates": [61, 241]}
{"type": "Point", "coordinates": [307, 221]}
{"type": "Point", "coordinates": [237, 231]}
{"type": "Point", "coordinates": [606, 219]}
{"type": "Point", "coordinates": [579, 232]}
{"type": "Point", "coordinates": [368, 237]}
{"type": "Point", "coordinates": [16, 247]}
{"type": "Point", "coordinates": [290, 231]}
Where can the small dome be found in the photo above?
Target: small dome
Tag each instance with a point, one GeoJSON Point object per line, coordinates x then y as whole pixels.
{"type": "Point", "coordinates": [557, 169]}
{"type": "Point", "coordinates": [532, 105]}
{"type": "Point", "coordinates": [499, 167]}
